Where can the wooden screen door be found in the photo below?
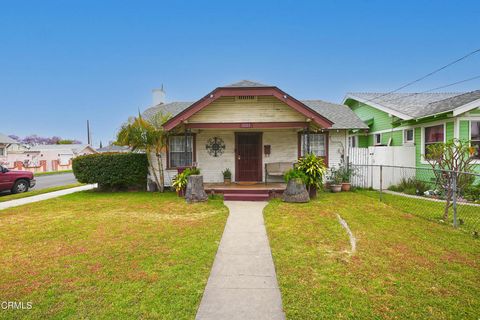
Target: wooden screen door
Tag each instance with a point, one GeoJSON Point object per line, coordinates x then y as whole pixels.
{"type": "Point", "coordinates": [248, 156]}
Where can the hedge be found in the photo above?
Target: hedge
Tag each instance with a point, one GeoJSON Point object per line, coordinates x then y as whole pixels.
{"type": "Point", "coordinates": [112, 170]}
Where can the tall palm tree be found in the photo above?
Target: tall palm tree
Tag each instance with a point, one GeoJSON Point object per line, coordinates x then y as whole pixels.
{"type": "Point", "coordinates": [147, 135]}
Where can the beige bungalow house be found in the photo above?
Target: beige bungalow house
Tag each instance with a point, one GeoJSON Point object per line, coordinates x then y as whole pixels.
{"type": "Point", "coordinates": [246, 126]}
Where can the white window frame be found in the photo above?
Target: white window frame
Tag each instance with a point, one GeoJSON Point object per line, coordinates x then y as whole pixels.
{"type": "Point", "coordinates": [470, 134]}
{"type": "Point", "coordinates": [375, 139]}
{"type": "Point", "coordinates": [405, 141]}
{"type": "Point", "coordinates": [3, 151]}
{"type": "Point", "coordinates": [192, 146]}
{"type": "Point", "coordinates": [422, 147]}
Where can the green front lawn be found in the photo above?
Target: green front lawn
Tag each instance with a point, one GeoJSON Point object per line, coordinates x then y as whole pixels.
{"type": "Point", "coordinates": [108, 256]}
{"type": "Point", "coordinates": [405, 267]}
{"type": "Point", "coordinates": [34, 192]}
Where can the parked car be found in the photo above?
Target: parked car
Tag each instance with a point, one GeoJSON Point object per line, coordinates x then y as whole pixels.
{"type": "Point", "coordinates": [16, 181]}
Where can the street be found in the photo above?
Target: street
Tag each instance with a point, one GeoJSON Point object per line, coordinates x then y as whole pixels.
{"type": "Point", "coordinates": [49, 181]}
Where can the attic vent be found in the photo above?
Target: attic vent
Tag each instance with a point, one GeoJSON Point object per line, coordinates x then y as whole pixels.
{"type": "Point", "coordinates": [246, 98]}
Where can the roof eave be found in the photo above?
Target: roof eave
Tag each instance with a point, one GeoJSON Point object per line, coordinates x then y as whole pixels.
{"type": "Point", "coordinates": [378, 106]}
{"type": "Point", "coordinates": [466, 107]}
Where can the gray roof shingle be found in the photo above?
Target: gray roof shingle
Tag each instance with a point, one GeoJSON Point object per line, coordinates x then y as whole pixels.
{"type": "Point", "coordinates": [246, 84]}
{"type": "Point", "coordinates": [417, 105]}
{"type": "Point", "coordinates": [6, 139]}
{"type": "Point", "coordinates": [341, 115]}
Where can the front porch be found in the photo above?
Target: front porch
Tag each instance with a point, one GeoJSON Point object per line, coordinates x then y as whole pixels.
{"type": "Point", "coordinates": [254, 191]}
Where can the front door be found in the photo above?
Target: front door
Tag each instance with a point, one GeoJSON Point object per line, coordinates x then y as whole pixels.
{"type": "Point", "coordinates": [248, 153]}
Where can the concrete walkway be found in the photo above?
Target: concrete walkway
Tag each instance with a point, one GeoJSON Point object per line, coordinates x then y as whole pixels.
{"type": "Point", "coordinates": [242, 283]}
{"type": "Point", "coordinates": [45, 196]}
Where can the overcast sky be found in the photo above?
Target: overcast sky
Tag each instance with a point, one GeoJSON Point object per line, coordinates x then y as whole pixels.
{"type": "Point", "coordinates": [63, 62]}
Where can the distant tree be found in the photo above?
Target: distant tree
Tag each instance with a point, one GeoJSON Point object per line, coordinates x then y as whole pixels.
{"type": "Point", "coordinates": [34, 140]}
{"type": "Point", "coordinates": [68, 141]}
{"type": "Point", "coordinates": [101, 146]}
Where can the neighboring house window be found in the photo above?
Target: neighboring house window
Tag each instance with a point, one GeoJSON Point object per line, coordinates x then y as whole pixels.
{"type": "Point", "coordinates": [408, 136]}
{"type": "Point", "coordinates": [433, 135]}
{"type": "Point", "coordinates": [176, 151]}
{"type": "Point", "coordinates": [475, 138]}
{"type": "Point", "coordinates": [377, 138]}
{"type": "Point", "coordinates": [353, 141]}
{"type": "Point", "coordinates": [2, 151]}
{"type": "Point", "coordinates": [317, 142]}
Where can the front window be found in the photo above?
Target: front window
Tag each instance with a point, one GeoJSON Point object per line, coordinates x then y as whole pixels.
{"type": "Point", "coordinates": [176, 151]}
{"type": "Point", "coordinates": [408, 136]}
{"type": "Point", "coordinates": [2, 151]}
{"type": "Point", "coordinates": [433, 135]}
{"type": "Point", "coordinates": [315, 143]}
{"type": "Point", "coordinates": [475, 138]}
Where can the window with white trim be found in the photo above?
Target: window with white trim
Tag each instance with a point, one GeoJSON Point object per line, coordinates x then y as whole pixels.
{"type": "Point", "coordinates": [377, 139]}
{"type": "Point", "coordinates": [408, 136]}
{"type": "Point", "coordinates": [2, 151]}
{"type": "Point", "coordinates": [317, 142]}
{"type": "Point", "coordinates": [475, 138]}
{"type": "Point", "coordinates": [353, 141]}
{"type": "Point", "coordinates": [177, 157]}
{"type": "Point", "coordinates": [433, 135]}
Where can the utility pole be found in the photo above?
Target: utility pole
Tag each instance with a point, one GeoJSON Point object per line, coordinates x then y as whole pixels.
{"type": "Point", "coordinates": [88, 133]}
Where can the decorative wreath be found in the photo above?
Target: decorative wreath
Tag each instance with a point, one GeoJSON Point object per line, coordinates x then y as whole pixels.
{"type": "Point", "coordinates": [215, 146]}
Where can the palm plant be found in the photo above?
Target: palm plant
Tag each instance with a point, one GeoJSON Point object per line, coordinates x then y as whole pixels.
{"type": "Point", "coordinates": [147, 135]}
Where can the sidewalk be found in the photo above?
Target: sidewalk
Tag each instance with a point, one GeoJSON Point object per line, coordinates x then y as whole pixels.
{"type": "Point", "coordinates": [45, 196]}
{"type": "Point", "coordinates": [243, 282]}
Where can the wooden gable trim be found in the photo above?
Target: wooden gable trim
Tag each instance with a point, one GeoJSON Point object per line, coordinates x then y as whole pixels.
{"type": "Point", "coordinates": [248, 125]}
{"type": "Point", "coordinates": [232, 92]}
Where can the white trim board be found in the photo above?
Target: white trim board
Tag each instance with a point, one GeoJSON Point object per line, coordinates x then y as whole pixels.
{"type": "Point", "coordinates": [378, 106]}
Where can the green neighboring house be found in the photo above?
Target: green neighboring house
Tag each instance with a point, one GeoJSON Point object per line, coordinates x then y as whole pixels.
{"type": "Point", "coordinates": [417, 119]}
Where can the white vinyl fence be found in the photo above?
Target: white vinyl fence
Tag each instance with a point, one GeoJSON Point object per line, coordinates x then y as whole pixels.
{"type": "Point", "coordinates": [365, 161]}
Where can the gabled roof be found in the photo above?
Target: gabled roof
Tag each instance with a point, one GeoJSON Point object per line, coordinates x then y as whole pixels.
{"type": "Point", "coordinates": [114, 148]}
{"type": "Point", "coordinates": [341, 116]}
{"type": "Point", "coordinates": [75, 148]}
{"type": "Point", "coordinates": [6, 139]}
{"type": "Point", "coordinates": [417, 105]}
{"type": "Point", "coordinates": [247, 88]}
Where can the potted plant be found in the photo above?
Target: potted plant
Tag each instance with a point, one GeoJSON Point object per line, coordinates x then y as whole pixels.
{"type": "Point", "coordinates": [227, 176]}
{"type": "Point", "coordinates": [336, 180]}
{"type": "Point", "coordinates": [314, 169]}
{"type": "Point", "coordinates": [180, 181]}
{"type": "Point", "coordinates": [346, 172]}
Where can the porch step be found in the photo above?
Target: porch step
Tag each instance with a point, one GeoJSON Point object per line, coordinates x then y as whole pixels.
{"type": "Point", "coordinates": [246, 196]}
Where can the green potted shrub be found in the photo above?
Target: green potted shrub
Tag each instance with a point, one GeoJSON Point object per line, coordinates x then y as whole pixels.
{"type": "Point", "coordinates": [336, 180]}
{"type": "Point", "coordinates": [314, 169]}
{"type": "Point", "coordinates": [180, 181]}
{"type": "Point", "coordinates": [227, 176]}
{"type": "Point", "coordinates": [346, 172]}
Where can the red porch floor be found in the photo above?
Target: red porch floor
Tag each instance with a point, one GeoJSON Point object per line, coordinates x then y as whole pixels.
{"type": "Point", "coordinates": [246, 191]}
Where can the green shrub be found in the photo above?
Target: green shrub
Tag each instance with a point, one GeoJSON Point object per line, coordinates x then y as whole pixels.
{"type": "Point", "coordinates": [472, 193]}
{"type": "Point", "coordinates": [410, 186]}
{"type": "Point", "coordinates": [295, 174]}
{"type": "Point", "coordinates": [314, 169]}
{"type": "Point", "coordinates": [112, 170]}
{"type": "Point", "coordinates": [179, 182]}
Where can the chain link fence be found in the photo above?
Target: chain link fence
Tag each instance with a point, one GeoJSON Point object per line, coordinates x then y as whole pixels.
{"type": "Point", "coordinates": [439, 195]}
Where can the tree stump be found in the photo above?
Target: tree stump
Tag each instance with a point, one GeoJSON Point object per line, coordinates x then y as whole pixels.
{"type": "Point", "coordinates": [195, 191]}
{"type": "Point", "coordinates": [295, 192]}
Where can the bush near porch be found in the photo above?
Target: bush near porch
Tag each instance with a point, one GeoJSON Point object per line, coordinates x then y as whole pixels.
{"type": "Point", "coordinates": [405, 267]}
{"type": "Point", "coordinates": [112, 170]}
{"type": "Point", "coordinates": [99, 255]}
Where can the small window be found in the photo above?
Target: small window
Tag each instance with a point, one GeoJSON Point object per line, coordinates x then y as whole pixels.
{"type": "Point", "coordinates": [475, 138]}
{"type": "Point", "coordinates": [433, 135]}
{"type": "Point", "coordinates": [408, 136]}
{"type": "Point", "coordinates": [377, 139]}
{"type": "Point", "coordinates": [353, 141]}
{"type": "Point", "coordinates": [317, 143]}
{"type": "Point", "coordinates": [176, 151]}
{"type": "Point", "coordinates": [2, 151]}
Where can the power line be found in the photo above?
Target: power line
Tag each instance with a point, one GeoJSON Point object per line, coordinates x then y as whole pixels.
{"type": "Point", "coordinates": [433, 89]}
{"type": "Point", "coordinates": [427, 75]}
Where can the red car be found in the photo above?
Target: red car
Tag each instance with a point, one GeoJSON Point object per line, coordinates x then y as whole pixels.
{"type": "Point", "coordinates": [16, 181]}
